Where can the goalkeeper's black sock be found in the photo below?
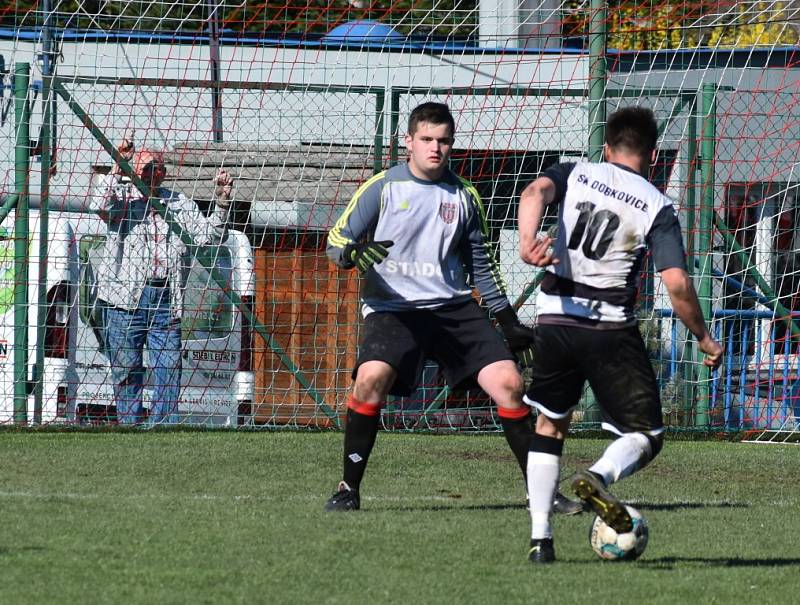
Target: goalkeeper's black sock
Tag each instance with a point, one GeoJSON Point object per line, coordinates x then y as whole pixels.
{"type": "Point", "coordinates": [359, 438]}
{"type": "Point", "coordinates": [518, 429]}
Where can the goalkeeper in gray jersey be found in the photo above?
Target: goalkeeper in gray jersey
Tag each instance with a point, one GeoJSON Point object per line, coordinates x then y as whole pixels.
{"type": "Point", "coordinates": [417, 233]}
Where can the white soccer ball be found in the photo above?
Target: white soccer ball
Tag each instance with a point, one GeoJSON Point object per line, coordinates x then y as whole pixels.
{"type": "Point", "coordinates": [610, 545]}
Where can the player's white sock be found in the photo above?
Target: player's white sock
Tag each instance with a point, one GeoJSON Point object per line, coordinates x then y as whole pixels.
{"type": "Point", "coordinates": [623, 457]}
{"type": "Point", "coordinates": [543, 473]}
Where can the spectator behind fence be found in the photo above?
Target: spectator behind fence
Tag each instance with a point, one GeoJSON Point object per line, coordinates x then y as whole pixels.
{"type": "Point", "coordinates": [142, 276]}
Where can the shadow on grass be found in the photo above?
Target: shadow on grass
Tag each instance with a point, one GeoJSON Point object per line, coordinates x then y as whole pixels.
{"type": "Point", "coordinates": [684, 505]}
{"type": "Point", "coordinates": [408, 508]}
{"type": "Point", "coordinates": [642, 506]}
{"type": "Point", "coordinates": [669, 562]}
{"type": "Point", "coordinates": [5, 551]}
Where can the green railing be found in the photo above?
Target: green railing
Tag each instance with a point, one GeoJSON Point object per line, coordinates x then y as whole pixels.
{"type": "Point", "coordinates": [22, 116]}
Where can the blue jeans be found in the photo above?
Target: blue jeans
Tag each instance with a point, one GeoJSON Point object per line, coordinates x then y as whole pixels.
{"type": "Point", "coordinates": [126, 332]}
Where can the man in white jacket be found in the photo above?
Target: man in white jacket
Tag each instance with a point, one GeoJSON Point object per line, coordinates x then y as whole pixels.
{"type": "Point", "coordinates": [142, 277]}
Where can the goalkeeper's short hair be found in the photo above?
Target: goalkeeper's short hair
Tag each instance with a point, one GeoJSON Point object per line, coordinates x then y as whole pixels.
{"type": "Point", "coordinates": [432, 113]}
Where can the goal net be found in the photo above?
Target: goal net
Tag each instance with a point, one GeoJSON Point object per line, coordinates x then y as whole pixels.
{"type": "Point", "coordinates": [300, 103]}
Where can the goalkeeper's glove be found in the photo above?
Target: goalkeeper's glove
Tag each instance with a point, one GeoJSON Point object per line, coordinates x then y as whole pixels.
{"type": "Point", "coordinates": [363, 256]}
{"type": "Point", "coordinates": [519, 337]}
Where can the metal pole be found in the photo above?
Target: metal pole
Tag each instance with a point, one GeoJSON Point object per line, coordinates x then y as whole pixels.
{"type": "Point", "coordinates": [691, 217]}
{"type": "Point", "coordinates": [380, 112]}
{"type": "Point", "coordinates": [21, 180]}
{"type": "Point", "coordinates": [48, 127]}
{"type": "Point", "coordinates": [394, 125]}
{"type": "Point", "coordinates": [691, 184]}
{"type": "Point", "coordinates": [214, 60]}
{"type": "Point", "coordinates": [49, 55]}
{"type": "Point", "coordinates": [708, 112]}
{"type": "Point", "coordinates": [8, 206]}
{"type": "Point", "coordinates": [597, 78]}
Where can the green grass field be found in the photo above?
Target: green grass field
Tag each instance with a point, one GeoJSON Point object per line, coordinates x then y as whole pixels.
{"type": "Point", "coordinates": [223, 517]}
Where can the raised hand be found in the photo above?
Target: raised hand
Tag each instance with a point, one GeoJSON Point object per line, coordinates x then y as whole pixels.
{"type": "Point", "coordinates": [713, 352]}
{"type": "Point", "coordinates": [223, 188]}
{"type": "Point", "coordinates": [540, 253]}
{"type": "Point", "coordinates": [126, 149]}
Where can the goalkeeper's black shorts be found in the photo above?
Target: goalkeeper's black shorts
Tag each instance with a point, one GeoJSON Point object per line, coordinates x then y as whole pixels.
{"type": "Point", "coordinates": [458, 337]}
{"type": "Point", "coordinates": [614, 362]}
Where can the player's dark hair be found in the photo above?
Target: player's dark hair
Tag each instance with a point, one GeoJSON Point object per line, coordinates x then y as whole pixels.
{"type": "Point", "coordinates": [632, 129]}
{"type": "Point", "coordinates": [432, 113]}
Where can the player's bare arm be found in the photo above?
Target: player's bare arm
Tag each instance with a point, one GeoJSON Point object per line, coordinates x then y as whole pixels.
{"type": "Point", "coordinates": [533, 248]}
{"type": "Point", "coordinates": [684, 302]}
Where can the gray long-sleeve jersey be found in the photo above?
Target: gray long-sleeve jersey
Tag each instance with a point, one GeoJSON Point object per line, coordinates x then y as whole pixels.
{"type": "Point", "coordinates": [440, 240]}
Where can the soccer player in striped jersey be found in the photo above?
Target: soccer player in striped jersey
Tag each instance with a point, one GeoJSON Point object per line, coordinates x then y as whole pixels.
{"type": "Point", "coordinates": [417, 233]}
{"type": "Point", "coordinates": [609, 215]}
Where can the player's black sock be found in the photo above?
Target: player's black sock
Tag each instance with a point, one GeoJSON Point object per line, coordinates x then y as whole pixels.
{"type": "Point", "coordinates": [359, 438]}
{"type": "Point", "coordinates": [518, 429]}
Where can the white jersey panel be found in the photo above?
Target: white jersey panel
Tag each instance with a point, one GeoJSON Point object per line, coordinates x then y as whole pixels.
{"type": "Point", "coordinates": [604, 221]}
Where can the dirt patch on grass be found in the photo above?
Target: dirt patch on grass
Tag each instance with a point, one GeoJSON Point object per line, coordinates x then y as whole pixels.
{"type": "Point", "coordinates": [469, 455]}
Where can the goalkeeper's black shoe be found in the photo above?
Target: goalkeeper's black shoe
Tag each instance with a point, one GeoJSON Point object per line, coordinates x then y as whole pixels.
{"type": "Point", "coordinates": [344, 499]}
{"type": "Point", "coordinates": [542, 551]}
{"type": "Point", "coordinates": [590, 488]}
{"type": "Point", "coordinates": [564, 506]}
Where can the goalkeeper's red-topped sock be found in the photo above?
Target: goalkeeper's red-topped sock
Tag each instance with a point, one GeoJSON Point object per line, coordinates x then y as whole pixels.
{"type": "Point", "coordinates": [359, 438]}
{"type": "Point", "coordinates": [518, 429]}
